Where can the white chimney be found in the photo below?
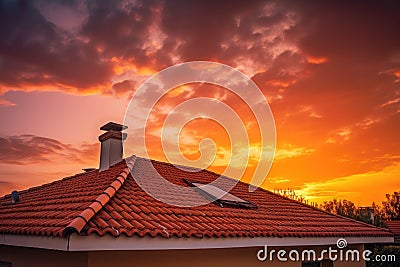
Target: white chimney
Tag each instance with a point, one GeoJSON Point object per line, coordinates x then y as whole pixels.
{"type": "Point", "coordinates": [111, 144]}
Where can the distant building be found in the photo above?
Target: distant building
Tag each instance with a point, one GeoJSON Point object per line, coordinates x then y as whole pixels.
{"type": "Point", "coordinates": [394, 227]}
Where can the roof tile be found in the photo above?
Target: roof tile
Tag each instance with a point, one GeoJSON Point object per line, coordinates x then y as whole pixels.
{"type": "Point", "coordinates": [111, 202]}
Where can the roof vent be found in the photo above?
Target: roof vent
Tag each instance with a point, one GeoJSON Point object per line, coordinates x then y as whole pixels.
{"type": "Point", "coordinates": [111, 144]}
{"type": "Point", "coordinates": [14, 196]}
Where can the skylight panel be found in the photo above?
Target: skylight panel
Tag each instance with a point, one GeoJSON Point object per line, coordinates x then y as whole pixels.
{"type": "Point", "coordinates": [220, 196]}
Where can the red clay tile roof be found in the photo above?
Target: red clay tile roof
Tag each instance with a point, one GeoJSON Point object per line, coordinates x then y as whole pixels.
{"type": "Point", "coordinates": [50, 208]}
{"type": "Point", "coordinates": [394, 227]}
{"type": "Point", "coordinates": [111, 202]}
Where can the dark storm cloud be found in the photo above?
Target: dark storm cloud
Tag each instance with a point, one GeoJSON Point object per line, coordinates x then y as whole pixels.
{"type": "Point", "coordinates": [363, 31]}
{"type": "Point", "coordinates": [203, 25]}
{"type": "Point", "coordinates": [33, 51]}
{"type": "Point", "coordinates": [121, 88]}
{"type": "Point", "coordinates": [224, 31]}
{"type": "Point", "coordinates": [121, 29]}
{"type": "Point", "coordinates": [25, 149]}
{"type": "Point", "coordinates": [359, 40]}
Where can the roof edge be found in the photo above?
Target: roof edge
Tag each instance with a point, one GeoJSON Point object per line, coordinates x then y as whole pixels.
{"type": "Point", "coordinates": [102, 243]}
{"type": "Point", "coordinates": [79, 222]}
{"type": "Point", "coordinates": [77, 242]}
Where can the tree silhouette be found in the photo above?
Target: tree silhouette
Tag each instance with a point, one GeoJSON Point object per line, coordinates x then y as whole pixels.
{"type": "Point", "coordinates": [341, 207]}
{"type": "Point", "coordinates": [391, 207]}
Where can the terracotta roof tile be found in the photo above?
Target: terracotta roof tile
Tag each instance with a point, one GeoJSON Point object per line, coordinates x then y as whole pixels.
{"type": "Point", "coordinates": [54, 204]}
{"type": "Point", "coordinates": [111, 202]}
{"type": "Point", "coordinates": [394, 227]}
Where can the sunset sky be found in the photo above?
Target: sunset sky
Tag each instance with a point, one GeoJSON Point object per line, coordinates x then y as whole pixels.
{"type": "Point", "coordinates": [330, 71]}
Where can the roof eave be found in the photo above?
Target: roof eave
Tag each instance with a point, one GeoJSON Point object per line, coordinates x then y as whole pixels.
{"type": "Point", "coordinates": [108, 242]}
{"type": "Point", "coordinates": [76, 242]}
{"type": "Point", "coordinates": [35, 241]}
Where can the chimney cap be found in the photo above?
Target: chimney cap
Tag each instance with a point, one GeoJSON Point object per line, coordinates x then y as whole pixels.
{"type": "Point", "coordinates": [112, 126]}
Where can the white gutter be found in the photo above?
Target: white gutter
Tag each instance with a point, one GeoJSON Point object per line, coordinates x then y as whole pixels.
{"type": "Point", "coordinates": [32, 241]}
{"type": "Point", "coordinates": [108, 242]}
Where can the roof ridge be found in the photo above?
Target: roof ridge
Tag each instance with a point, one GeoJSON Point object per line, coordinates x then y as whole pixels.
{"type": "Point", "coordinates": [77, 224]}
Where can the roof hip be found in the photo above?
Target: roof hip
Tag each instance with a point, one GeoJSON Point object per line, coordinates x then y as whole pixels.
{"type": "Point", "coordinates": [77, 224]}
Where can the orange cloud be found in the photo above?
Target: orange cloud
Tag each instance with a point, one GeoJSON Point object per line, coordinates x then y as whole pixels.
{"type": "Point", "coordinates": [6, 103]}
{"type": "Point", "coordinates": [354, 187]}
{"type": "Point", "coordinates": [47, 158]}
{"type": "Point", "coordinates": [316, 60]}
{"type": "Point", "coordinates": [289, 151]}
